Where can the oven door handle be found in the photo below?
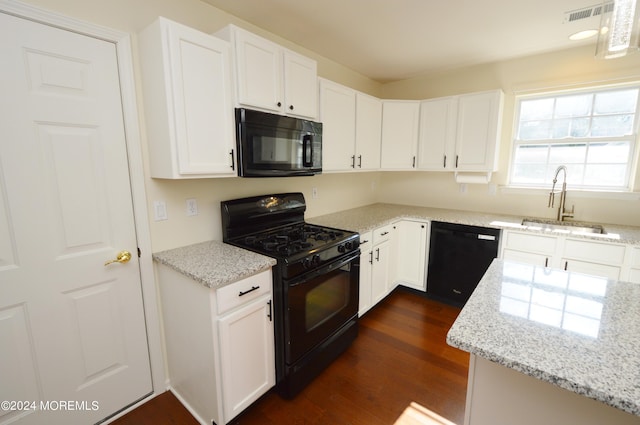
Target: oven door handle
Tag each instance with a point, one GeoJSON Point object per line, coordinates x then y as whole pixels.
{"type": "Point", "coordinates": [324, 269]}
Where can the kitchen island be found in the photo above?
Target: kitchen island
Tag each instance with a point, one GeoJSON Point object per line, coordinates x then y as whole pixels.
{"type": "Point", "coordinates": [550, 347]}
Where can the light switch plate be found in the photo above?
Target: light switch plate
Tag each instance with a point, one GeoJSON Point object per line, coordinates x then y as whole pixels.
{"type": "Point", "coordinates": [160, 210]}
{"type": "Point", "coordinates": [192, 207]}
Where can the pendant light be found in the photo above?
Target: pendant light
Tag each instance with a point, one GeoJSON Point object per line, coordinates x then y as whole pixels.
{"type": "Point", "coordinates": [619, 32]}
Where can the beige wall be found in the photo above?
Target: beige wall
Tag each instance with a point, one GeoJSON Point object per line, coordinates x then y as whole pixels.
{"type": "Point", "coordinates": [342, 191]}
{"type": "Point", "coordinates": [567, 69]}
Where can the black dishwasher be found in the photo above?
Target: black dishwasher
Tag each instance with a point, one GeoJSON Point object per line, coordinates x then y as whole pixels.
{"type": "Point", "coordinates": [459, 255]}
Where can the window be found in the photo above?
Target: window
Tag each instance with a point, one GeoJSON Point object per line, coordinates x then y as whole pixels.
{"type": "Point", "coordinates": [593, 133]}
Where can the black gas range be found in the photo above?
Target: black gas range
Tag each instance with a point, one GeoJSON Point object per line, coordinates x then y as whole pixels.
{"type": "Point", "coordinates": [315, 281]}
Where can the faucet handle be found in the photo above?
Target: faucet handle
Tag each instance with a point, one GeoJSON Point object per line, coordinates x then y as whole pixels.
{"type": "Point", "coordinates": [552, 196]}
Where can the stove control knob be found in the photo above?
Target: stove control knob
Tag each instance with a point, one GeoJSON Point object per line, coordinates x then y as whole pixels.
{"type": "Point", "coordinates": [306, 263]}
{"type": "Point", "coordinates": [348, 245]}
{"type": "Point", "coordinates": [341, 248]}
{"type": "Point", "coordinates": [315, 260]}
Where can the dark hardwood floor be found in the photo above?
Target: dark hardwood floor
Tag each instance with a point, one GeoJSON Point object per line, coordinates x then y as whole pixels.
{"type": "Point", "coordinates": [399, 357]}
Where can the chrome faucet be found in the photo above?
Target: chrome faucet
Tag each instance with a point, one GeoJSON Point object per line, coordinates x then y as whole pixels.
{"type": "Point", "coordinates": [562, 214]}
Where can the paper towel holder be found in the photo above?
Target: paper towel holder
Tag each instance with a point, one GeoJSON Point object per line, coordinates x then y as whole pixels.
{"type": "Point", "coordinates": [473, 177]}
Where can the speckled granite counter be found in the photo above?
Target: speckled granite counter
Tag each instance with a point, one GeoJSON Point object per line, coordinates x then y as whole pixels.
{"type": "Point", "coordinates": [214, 263]}
{"type": "Point", "coordinates": [369, 217]}
{"type": "Point", "coordinates": [577, 332]}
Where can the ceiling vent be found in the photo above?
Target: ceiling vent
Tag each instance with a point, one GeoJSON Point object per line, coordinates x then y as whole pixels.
{"type": "Point", "coordinates": [587, 12]}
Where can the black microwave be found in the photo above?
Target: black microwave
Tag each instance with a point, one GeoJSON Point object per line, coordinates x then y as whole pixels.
{"type": "Point", "coordinates": [271, 145]}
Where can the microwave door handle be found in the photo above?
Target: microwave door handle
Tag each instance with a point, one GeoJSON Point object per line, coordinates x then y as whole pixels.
{"type": "Point", "coordinates": [307, 150]}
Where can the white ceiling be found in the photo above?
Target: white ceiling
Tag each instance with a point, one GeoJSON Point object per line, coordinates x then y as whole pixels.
{"type": "Point", "coordinates": [389, 40]}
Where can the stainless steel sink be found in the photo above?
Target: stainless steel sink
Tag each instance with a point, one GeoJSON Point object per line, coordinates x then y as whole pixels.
{"type": "Point", "coordinates": [563, 226]}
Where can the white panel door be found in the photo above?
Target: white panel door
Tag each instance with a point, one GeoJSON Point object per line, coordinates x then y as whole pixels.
{"type": "Point", "coordinates": [338, 116]}
{"type": "Point", "coordinates": [71, 329]}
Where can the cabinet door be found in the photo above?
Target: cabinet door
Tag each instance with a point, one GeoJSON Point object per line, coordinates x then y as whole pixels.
{"type": "Point", "coordinates": [246, 355]}
{"type": "Point", "coordinates": [399, 134]}
{"type": "Point", "coordinates": [366, 264]}
{"type": "Point", "coordinates": [259, 72]}
{"type": "Point", "coordinates": [368, 132]}
{"type": "Point", "coordinates": [380, 272]}
{"type": "Point", "coordinates": [338, 116]}
{"type": "Point", "coordinates": [201, 79]}
{"type": "Point", "coordinates": [436, 146]}
{"type": "Point", "coordinates": [188, 101]}
{"type": "Point", "coordinates": [411, 237]}
{"type": "Point", "coordinates": [527, 257]}
{"type": "Point", "coordinates": [477, 132]}
{"type": "Point", "coordinates": [595, 269]}
{"type": "Point", "coordinates": [300, 85]}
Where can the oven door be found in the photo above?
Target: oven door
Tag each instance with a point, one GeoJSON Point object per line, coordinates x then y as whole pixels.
{"type": "Point", "coordinates": [319, 304]}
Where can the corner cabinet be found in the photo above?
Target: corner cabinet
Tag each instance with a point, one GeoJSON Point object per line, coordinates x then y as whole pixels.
{"type": "Point", "coordinates": [351, 132]}
{"type": "Point", "coordinates": [220, 343]}
{"type": "Point", "coordinates": [270, 77]}
{"type": "Point", "coordinates": [461, 133]}
{"type": "Point", "coordinates": [188, 104]}
{"type": "Point", "coordinates": [400, 123]}
{"type": "Point", "coordinates": [410, 240]}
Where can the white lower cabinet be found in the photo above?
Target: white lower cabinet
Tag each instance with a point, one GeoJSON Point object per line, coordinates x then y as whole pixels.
{"type": "Point", "coordinates": [380, 272]}
{"type": "Point", "coordinates": [410, 241]}
{"type": "Point", "coordinates": [634, 265]}
{"type": "Point", "coordinates": [366, 266]}
{"type": "Point", "coordinates": [598, 258]}
{"type": "Point", "coordinates": [220, 343]}
{"type": "Point", "coordinates": [374, 267]}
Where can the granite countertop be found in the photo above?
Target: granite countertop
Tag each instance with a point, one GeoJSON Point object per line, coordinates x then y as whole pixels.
{"type": "Point", "coordinates": [214, 264]}
{"type": "Point", "coordinates": [364, 219]}
{"type": "Point", "coordinates": [579, 332]}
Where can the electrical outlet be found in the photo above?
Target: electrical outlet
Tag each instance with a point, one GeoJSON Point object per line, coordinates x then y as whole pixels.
{"type": "Point", "coordinates": [160, 210]}
{"type": "Point", "coordinates": [192, 207]}
{"type": "Point", "coordinates": [314, 192]}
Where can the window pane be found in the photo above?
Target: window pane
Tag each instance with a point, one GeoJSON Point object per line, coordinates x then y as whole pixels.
{"type": "Point", "coordinates": [616, 102]}
{"type": "Point", "coordinates": [574, 106]}
{"type": "Point", "coordinates": [606, 175]}
{"type": "Point", "coordinates": [537, 109]}
{"type": "Point", "coordinates": [532, 153]}
{"type": "Point", "coordinates": [611, 126]}
{"type": "Point", "coordinates": [568, 154]}
{"type": "Point", "coordinates": [617, 153]}
{"type": "Point", "coordinates": [534, 130]}
{"type": "Point", "coordinates": [529, 173]}
{"type": "Point", "coordinates": [574, 127]}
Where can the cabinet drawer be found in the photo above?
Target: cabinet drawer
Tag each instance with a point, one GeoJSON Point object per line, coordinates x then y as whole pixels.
{"type": "Point", "coordinates": [366, 239]}
{"type": "Point", "coordinates": [530, 242]}
{"type": "Point", "coordinates": [596, 252]}
{"type": "Point", "coordinates": [382, 234]}
{"type": "Point", "coordinates": [243, 291]}
{"type": "Point", "coordinates": [594, 269]}
{"type": "Point", "coordinates": [635, 257]}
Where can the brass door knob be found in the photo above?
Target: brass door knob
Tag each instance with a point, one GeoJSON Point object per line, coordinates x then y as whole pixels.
{"type": "Point", "coordinates": [122, 257]}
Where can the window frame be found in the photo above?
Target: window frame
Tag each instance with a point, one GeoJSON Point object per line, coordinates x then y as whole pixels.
{"type": "Point", "coordinates": [633, 138]}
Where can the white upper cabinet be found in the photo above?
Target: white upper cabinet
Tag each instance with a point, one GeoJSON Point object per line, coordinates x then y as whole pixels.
{"type": "Point", "coordinates": [270, 77]}
{"type": "Point", "coordinates": [460, 133]}
{"type": "Point", "coordinates": [188, 102]}
{"type": "Point", "coordinates": [368, 132]}
{"type": "Point", "coordinates": [351, 128]}
{"type": "Point", "coordinates": [479, 121]}
{"type": "Point", "coordinates": [437, 145]}
{"type": "Point", "coordinates": [400, 121]}
{"type": "Point", "coordinates": [338, 116]}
